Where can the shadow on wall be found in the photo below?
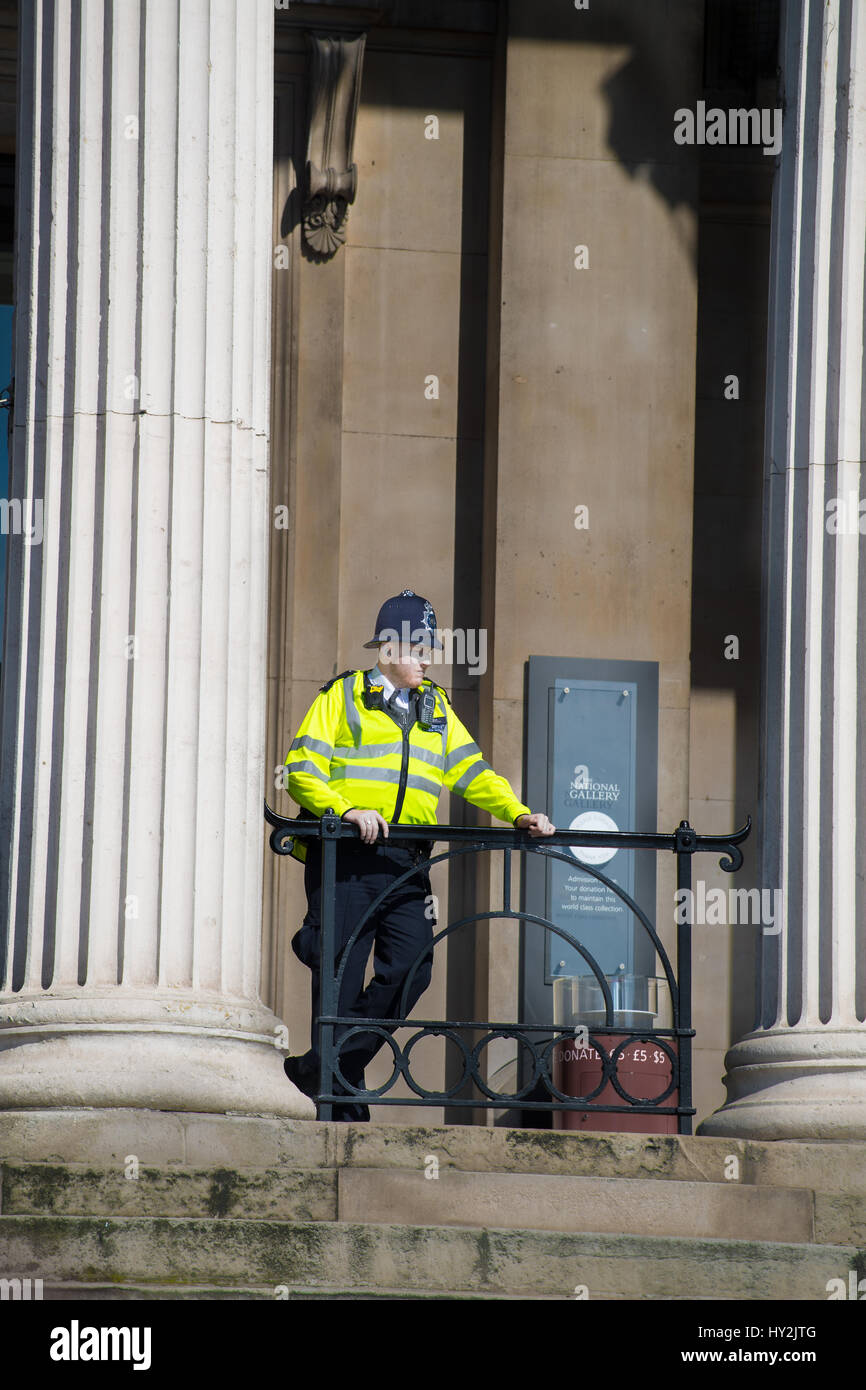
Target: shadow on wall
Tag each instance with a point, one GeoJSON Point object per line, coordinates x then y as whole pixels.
{"type": "Point", "coordinates": [659, 70]}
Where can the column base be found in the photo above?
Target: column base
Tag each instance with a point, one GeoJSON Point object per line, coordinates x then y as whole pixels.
{"type": "Point", "coordinates": [176, 1053]}
{"type": "Point", "coordinates": [794, 1083]}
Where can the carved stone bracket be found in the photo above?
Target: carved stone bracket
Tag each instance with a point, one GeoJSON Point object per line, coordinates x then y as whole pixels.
{"type": "Point", "coordinates": [332, 179]}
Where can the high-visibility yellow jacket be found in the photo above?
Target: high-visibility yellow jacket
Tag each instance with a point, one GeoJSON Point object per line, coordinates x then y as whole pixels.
{"type": "Point", "coordinates": [347, 755]}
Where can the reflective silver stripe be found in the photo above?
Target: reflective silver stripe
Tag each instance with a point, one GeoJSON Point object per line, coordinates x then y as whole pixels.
{"type": "Point", "coordinates": [353, 716]}
{"type": "Point", "coordinates": [458, 754]}
{"type": "Point", "coordinates": [384, 774]}
{"type": "Point", "coordinates": [469, 776]}
{"type": "Point", "coordinates": [315, 745]}
{"type": "Point", "coordinates": [423, 784]}
{"type": "Point", "coordinates": [365, 774]}
{"type": "Point", "coordinates": [369, 750]}
{"type": "Point", "coordinates": [305, 766]}
{"type": "Point", "coordinates": [426, 755]}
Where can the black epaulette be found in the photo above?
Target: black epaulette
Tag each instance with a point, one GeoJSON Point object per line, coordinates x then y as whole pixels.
{"type": "Point", "coordinates": [334, 679]}
{"type": "Point", "coordinates": [442, 691]}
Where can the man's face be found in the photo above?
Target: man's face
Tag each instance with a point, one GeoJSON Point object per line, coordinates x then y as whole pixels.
{"type": "Point", "coordinates": [405, 665]}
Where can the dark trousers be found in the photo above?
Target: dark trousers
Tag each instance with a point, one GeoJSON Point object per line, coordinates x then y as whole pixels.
{"type": "Point", "coordinates": [397, 931]}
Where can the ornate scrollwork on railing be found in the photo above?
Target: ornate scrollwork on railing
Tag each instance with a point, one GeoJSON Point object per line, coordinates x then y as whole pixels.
{"type": "Point", "coordinates": [281, 840]}
{"type": "Point", "coordinates": [734, 859]}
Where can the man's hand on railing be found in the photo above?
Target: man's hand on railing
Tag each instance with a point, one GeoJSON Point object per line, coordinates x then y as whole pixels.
{"type": "Point", "coordinates": [369, 823]}
{"type": "Point", "coordinates": [537, 824]}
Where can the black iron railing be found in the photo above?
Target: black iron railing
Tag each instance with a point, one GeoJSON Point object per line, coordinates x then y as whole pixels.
{"type": "Point", "coordinates": [675, 1041]}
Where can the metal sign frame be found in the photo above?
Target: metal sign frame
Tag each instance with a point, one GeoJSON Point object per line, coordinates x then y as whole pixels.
{"type": "Point", "coordinates": [542, 675]}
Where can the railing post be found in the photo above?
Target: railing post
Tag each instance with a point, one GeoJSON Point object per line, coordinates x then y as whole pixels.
{"type": "Point", "coordinates": [686, 841]}
{"type": "Point", "coordinates": [329, 830]}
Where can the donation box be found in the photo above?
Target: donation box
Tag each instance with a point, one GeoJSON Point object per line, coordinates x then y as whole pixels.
{"type": "Point", "coordinates": [644, 1066]}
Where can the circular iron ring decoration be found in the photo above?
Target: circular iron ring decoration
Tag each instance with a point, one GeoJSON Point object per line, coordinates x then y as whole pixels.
{"type": "Point", "coordinates": [610, 1067]}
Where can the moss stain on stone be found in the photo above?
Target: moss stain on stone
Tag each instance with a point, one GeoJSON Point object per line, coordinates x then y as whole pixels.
{"type": "Point", "coordinates": [45, 1184]}
{"type": "Point", "coordinates": [483, 1263]}
{"type": "Point", "coordinates": [223, 1192]}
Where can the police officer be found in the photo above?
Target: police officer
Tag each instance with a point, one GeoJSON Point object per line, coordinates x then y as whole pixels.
{"type": "Point", "coordinates": [377, 746]}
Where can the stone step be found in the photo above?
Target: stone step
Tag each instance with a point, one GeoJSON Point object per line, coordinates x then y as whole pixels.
{"type": "Point", "coordinates": [78, 1293]}
{"type": "Point", "coordinates": [621, 1206]}
{"type": "Point", "coordinates": [283, 1194]}
{"type": "Point", "coordinates": [335, 1255]}
{"type": "Point", "coordinates": [213, 1142]}
{"type": "Point", "coordinates": [552, 1202]}
{"type": "Point", "coordinates": [831, 1167]}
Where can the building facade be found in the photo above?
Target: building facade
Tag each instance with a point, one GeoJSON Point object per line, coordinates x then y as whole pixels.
{"type": "Point", "coordinates": [319, 301]}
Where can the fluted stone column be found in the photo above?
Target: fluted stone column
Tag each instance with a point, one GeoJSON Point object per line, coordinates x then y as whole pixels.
{"type": "Point", "coordinates": [802, 1071]}
{"type": "Point", "coordinates": [133, 677]}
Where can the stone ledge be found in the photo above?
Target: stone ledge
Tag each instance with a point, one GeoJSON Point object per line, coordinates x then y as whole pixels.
{"type": "Point", "coordinates": [328, 1255]}
{"type": "Point", "coordinates": [156, 1293]}
{"type": "Point", "coordinates": [540, 1201]}
{"type": "Point", "coordinates": [106, 1138]}
{"type": "Point", "coordinates": [634, 1206]}
{"type": "Point", "coordinates": [44, 1189]}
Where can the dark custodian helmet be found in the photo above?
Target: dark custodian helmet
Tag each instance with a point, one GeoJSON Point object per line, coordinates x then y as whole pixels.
{"type": "Point", "coordinates": [406, 618]}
